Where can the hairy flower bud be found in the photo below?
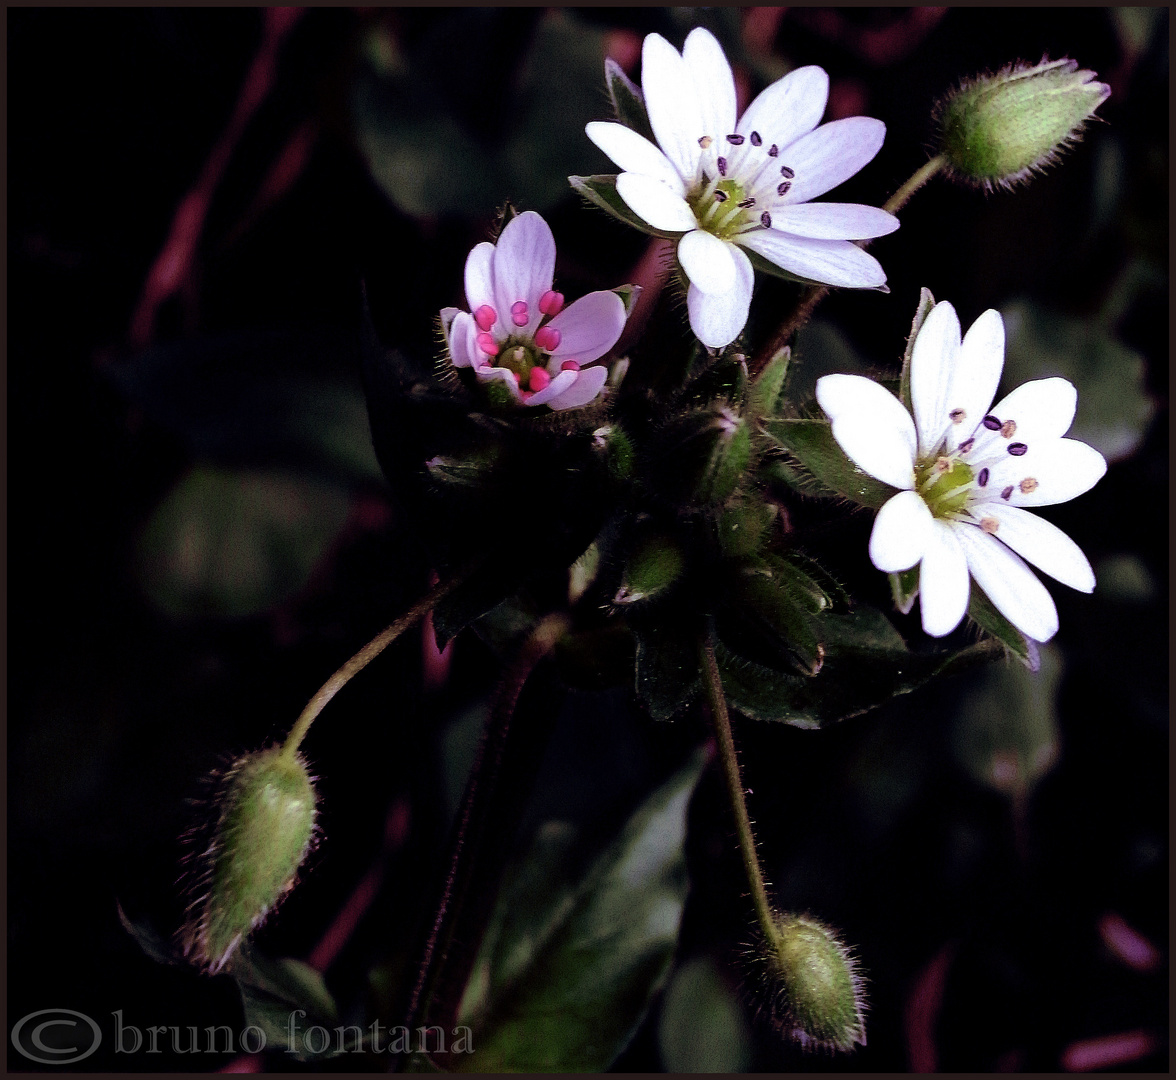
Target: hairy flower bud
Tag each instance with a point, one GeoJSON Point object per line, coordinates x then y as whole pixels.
{"type": "Point", "coordinates": [655, 564]}
{"type": "Point", "coordinates": [997, 130]}
{"type": "Point", "coordinates": [264, 829]}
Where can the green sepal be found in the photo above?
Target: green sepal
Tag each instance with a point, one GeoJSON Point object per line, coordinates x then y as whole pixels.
{"type": "Point", "coordinates": [743, 527]}
{"type": "Point", "coordinates": [811, 443]}
{"type": "Point", "coordinates": [601, 190]}
{"type": "Point", "coordinates": [628, 101]}
{"type": "Point", "coordinates": [763, 399]}
{"type": "Point", "coordinates": [926, 303]}
{"type": "Point", "coordinates": [983, 612]}
{"type": "Point", "coordinates": [628, 295]}
{"type": "Point", "coordinates": [904, 588]}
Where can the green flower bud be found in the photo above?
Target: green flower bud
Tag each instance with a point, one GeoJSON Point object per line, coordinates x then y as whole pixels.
{"type": "Point", "coordinates": [656, 563]}
{"type": "Point", "coordinates": [816, 991]}
{"type": "Point", "coordinates": [744, 527]}
{"type": "Point", "coordinates": [617, 448]}
{"type": "Point", "coordinates": [997, 130]}
{"type": "Point", "coordinates": [264, 829]}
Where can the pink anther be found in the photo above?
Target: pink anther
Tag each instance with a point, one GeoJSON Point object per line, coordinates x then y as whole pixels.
{"type": "Point", "coordinates": [526, 395]}
{"type": "Point", "coordinates": [485, 317]}
{"type": "Point", "coordinates": [487, 344]}
{"type": "Point", "coordinates": [547, 338]}
{"type": "Point", "coordinates": [570, 365]}
{"type": "Point", "coordinates": [518, 312]}
{"type": "Point", "coordinates": [538, 379]}
{"type": "Point", "coordinates": [551, 302]}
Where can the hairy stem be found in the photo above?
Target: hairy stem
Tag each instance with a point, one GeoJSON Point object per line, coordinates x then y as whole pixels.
{"type": "Point", "coordinates": [902, 196]}
{"type": "Point", "coordinates": [721, 721]}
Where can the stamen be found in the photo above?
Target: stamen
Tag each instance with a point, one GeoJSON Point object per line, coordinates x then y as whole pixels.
{"type": "Point", "coordinates": [766, 220]}
{"type": "Point", "coordinates": [518, 312]}
{"type": "Point", "coordinates": [942, 464]}
{"type": "Point", "coordinates": [720, 195]}
{"type": "Point", "coordinates": [989, 525]}
{"type": "Point", "coordinates": [783, 188]}
{"type": "Point", "coordinates": [773, 150]}
{"type": "Point", "coordinates": [547, 338]}
{"type": "Point", "coordinates": [1018, 449]}
{"type": "Point", "coordinates": [755, 139]}
{"type": "Point", "coordinates": [746, 204]}
{"type": "Point", "coordinates": [570, 365]}
{"type": "Point", "coordinates": [957, 416]}
{"type": "Point", "coordinates": [735, 140]}
{"type": "Point", "coordinates": [538, 379]}
{"type": "Point", "coordinates": [1007, 428]}
{"type": "Point", "coordinates": [1028, 484]}
{"type": "Point", "coordinates": [487, 344]}
{"type": "Point", "coordinates": [485, 317]}
{"type": "Point", "coordinates": [991, 422]}
{"type": "Point", "coordinates": [982, 479]}
{"type": "Point", "coordinates": [705, 142]}
{"type": "Point", "coordinates": [551, 302]}
{"type": "Point", "coordinates": [1007, 492]}
{"type": "Point", "coordinates": [787, 173]}
{"type": "Point", "coordinates": [722, 163]}
{"type": "Point", "coordinates": [967, 445]}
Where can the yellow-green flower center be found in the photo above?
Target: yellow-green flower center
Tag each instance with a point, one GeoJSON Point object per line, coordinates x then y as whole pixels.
{"type": "Point", "coordinates": [944, 484]}
{"type": "Point", "coordinates": [723, 208]}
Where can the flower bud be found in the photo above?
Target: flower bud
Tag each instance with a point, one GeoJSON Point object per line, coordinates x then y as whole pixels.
{"type": "Point", "coordinates": [816, 991]}
{"type": "Point", "coordinates": [617, 448]}
{"type": "Point", "coordinates": [702, 456]}
{"type": "Point", "coordinates": [656, 563]}
{"type": "Point", "coordinates": [264, 829]}
{"type": "Point", "coordinates": [997, 130]}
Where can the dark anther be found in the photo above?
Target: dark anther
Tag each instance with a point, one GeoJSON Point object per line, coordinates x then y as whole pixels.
{"type": "Point", "coordinates": [722, 163]}
{"type": "Point", "coordinates": [1007, 492]}
{"type": "Point", "coordinates": [991, 422]}
{"type": "Point", "coordinates": [783, 188]}
{"type": "Point", "coordinates": [735, 140]}
{"type": "Point", "coordinates": [1017, 449]}
{"type": "Point", "coordinates": [967, 445]}
{"type": "Point", "coordinates": [786, 172]}
{"type": "Point", "coordinates": [766, 220]}
{"type": "Point", "coordinates": [773, 150]}
{"type": "Point", "coordinates": [747, 204]}
{"type": "Point", "coordinates": [755, 139]}
{"type": "Point", "coordinates": [721, 196]}
{"type": "Point", "coordinates": [982, 479]}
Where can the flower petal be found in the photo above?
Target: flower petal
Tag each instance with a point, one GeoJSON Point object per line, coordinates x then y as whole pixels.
{"type": "Point", "coordinates": [563, 381]}
{"type": "Point", "coordinates": [634, 153]}
{"type": "Point", "coordinates": [524, 267]}
{"type": "Point", "coordinates": [1009, 583]}
{"type": "Point", "coordinates": [1050, 471]}
{"type": "Point", "coordinates": [503, 375]}
{"type": "Point", "coordinates": [977, 372]}
{"type": "Point", "coordinates": [583, 391]}
{"type": "Point", "coordinates": [1042, 409]}
{"type": "Point", "coordinates": [832, 262]}
{"type": "Point", "coordinates": [834, 221]}
{"type": "Point", "coordinates": [655, 202]}
{"type": "Point", "coordinates": [708, 261]}
{"type": "Point", "coordinates": [672, 104]}
{"type": "Point", "coordinates": [713, 82]}
{"type": "Point", "coordinates": [462, 344]}
{"type": "Point", "coordinates": [944, 586]}
{"type": "Point", "coordinates": [789, 108]}
{"type": "Point", "coordinates": [933, 363]}
{"type": "Point", "coordinates": [717, 318]}
{"type": "Point", "coordinates": [871, 426]}
{"type": "Point", "coordinates": [899, 539]}
{"type": "Point", "coordinates": [479, 280]}
{"type": "Point", "coordinates": [1045, 545]}
{"type": "Point", "coordinates": [829, 156]}
{"type": "Point", "coordinates": [589, 327]}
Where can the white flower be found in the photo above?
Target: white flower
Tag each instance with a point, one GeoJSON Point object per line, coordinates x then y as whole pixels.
{"type": "Point", "coordinates": [518, 335]}
{"type": "Point", "coordinates": [967, 470]}
{"type": "Point", "coordinates": [728, 185]}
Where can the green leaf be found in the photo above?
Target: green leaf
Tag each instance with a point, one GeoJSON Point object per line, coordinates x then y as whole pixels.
{"type": "Point", "coordinates": [570, 961]}
{"type": "Point", "coordinates": [983, 613]}
{"type": "Point", "coordinates": [272, 992]}
{"type": "Point", "coordinates": [811, 443]}
{"type": "Point", "coordinates": [228, 543]}
{"type": "Point", "coordinates": [926, 303]}
{"type": "Point", "coordinates": [702, 1028]}
{"type": "Point", "coordinates": [766, 618]}
{"type": "Point", "coordinates": [601, 190]}
{"type": "Point", "coordinates": [627, 100]}
{"type": "Point", "coordinates": [667, 671]}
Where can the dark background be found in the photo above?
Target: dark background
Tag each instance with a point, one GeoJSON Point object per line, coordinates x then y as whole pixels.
{"type": "Point", "coordinates": [126, 687]}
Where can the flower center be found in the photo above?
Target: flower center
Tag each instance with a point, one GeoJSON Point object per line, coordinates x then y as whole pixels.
{"type": "Point", "coordinates": [945, 484]}
{"type": "Point", "coordinates": [741, 183]}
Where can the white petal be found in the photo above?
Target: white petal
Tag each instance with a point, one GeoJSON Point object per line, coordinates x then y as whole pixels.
{"type": "Point", "coordinates": [655, 202]}
{"type": "Point", "coordinates": [871, 426]}
{"type": "Point", "coordinates": [479, 280]}
{"type": "Point", "coordinates": [589, 327]}
{"type": "Point", "coordinates": [634, 153]}
{"type": "Point", "coordinates": [1015, 590]}
{"type": "Point", "coordinates": [1062, 469]}
{"type": "Point", "coordinates": [524, 267]}
{"type": "Point", "coordinates": [900, 539]}
{"type": "Point", "coordinates": [789, 108]}
{"type": "Point", "coordinates": [563, 381]}
{"type": "Point", "coordinates": [1042, 409]}
{"type": "Point", "coordinates": [709, 262]}
{"type": "Point", "coordinates": [831, 262]}
{"type": "Point", "coordinates": [584, 390]}
{"type": "Point", "coordinates": [717, 318]}
{"type": "Point", "coordinates": [834, 221]}
{"type": "Point", "coordinates": [503, 375]}
{"type": "Point", "coordinates": [829, 156]}
{"type": "Point", "coordinates": [713, 82]}
{"type": "Point", "coordinates": [1043, 544]}
{"type": "Point", "coordinates": [462, 340]}
{"type": "Point", "coordinates": [944, 586]}
{"type": "Point", "coordinates": [933, 362]}
{"type": "Point", "coordinates": [977, 373]}
{"type": "Point", "coordinates": [672, 103]}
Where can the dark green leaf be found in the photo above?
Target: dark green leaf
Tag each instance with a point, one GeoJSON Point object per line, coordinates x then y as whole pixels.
{"type": "Point", "coordinates": [668, 676]}
{"type": "Point", "coordinates": [765, 617]}
{"type": "Point", "coordinates": [601, 190]}
{"type": "Point", "coordinates": [984, 614]}
{"type": "Point", "coordinates": [571, 961]}
{"type": "Point", "coordinates": [627, 100]}
{"type": "Point", "coordinates": [811, 443]}
{"type": "Point", "coordinates": [926, 303]}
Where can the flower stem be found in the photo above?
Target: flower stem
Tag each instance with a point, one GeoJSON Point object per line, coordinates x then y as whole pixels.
{"type": "Point", "coordinates": [814, 294]}
{"type": "Point", "coordinates": [364, 657]}
{"type": "Point", "coordinates": [722, 725]}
